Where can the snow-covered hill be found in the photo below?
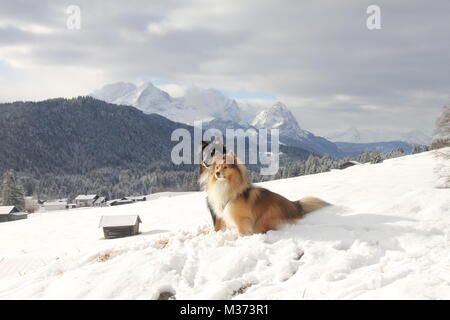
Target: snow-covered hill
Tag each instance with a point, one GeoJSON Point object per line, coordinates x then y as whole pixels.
{"type": "Point", "coordinates": [387, 237]}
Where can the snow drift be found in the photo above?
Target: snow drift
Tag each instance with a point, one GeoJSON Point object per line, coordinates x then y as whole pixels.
{"type": "Point", "coordinates": [387, 237]}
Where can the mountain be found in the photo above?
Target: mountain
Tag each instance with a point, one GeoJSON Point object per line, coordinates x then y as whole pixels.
{"type": "Point", "coordinates": [214, 108]}
{"type": "Point", "coordinates": [280, 117]}
{"type": "Point", "coordinates": [351, 134]}
{"type": "Point", "coordinates": [208, 104]}
{"type": "Point", "coordinates": [354, 135]}
{"type": "Point", "coordinates": [197, 104]}
{"type": "Point", "coordinates": [115, 91]}
{"type": "Point", "coordinates": [146, 97]}
{"type": "Point", "coordinates": [416, 137]}
{"type": "Point", "coordinates": [348, 149]}
{"type": "Point", "coordinates": [61, 136]}
{"type": "Point", "coordinates": [64, 147]}
{"type": "Point", "coordinates": [288, 152]}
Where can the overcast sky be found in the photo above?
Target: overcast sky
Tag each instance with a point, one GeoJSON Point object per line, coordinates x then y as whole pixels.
{"type": "Point", "coordinates": [316, 56]}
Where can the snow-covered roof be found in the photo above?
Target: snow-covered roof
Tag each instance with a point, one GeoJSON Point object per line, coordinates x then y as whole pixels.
{"type": "Point", "coordinates": [353, 161]}
{"type": "Point", "coordinates": [119, 221]}
{"type": "Point", "coordinates": [55, 203]}
{"type": "Point", "coordinates": [86, 197]}
{"type": "Point", "coordinates": [6, 209]}
{"type": "Point", "coordinates": [19, 214]}
{"type": "Point", "coordinates": [137, 198]}
{"type": "Point", "coordinates": [57, 200]}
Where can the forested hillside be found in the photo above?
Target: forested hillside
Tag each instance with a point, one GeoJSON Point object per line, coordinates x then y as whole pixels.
{"type": "Point", "coordinates": [64, 147]}
{"type": "Point", "coordinates": [75, 136]}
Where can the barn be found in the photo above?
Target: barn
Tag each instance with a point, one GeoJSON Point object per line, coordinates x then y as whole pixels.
{"type": "Point", "coordinates": [58, 204]}
{"type": "Point", "coordinates": [86, 200]}
{"type": "Point", "coordinates": [120, 202]}
{"type": "Point", "coordinates": [351, 163]}
{"type": "Point", "coordinates": [120, 226]}
{"type": "Point", "coordinates": [11, 213]}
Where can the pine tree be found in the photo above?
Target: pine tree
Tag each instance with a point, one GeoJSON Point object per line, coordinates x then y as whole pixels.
{"type": "Point", "coordinates": [12, 193]}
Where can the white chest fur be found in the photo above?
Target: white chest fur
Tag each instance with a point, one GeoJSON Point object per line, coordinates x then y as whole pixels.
{"type": "Point", "coordinates": [219, 200]}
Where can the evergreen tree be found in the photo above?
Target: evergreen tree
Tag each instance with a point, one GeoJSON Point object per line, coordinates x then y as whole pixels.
{"type": "Point", "coordinates": [12, 193]}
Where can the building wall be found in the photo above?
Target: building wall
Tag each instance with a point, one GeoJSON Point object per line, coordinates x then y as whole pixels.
{"type": "Point", "coordinates": [55, 207]}
{"type": "Point", "coordinates": [83, 203]}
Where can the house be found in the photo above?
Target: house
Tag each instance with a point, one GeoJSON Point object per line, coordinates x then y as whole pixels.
{"type": "Point", "coordinates": [347, 164]}
{"type": "Point", "coordinates": [11, 213]}
{"type": "Point", "coordinates": [57, 204]}
{"type": "Point", "coordinates": [100, 202]}
{"type": "Point", "coordinates": [120, 226]}
{"type": "Point", "coordinates": [126, 200]}
{"type": "Point", "coordinates": [139, 198]}
{"type": "Point", "coordinates": [119, 202]}
{"type": "Point", "coordinates": [86, 200]}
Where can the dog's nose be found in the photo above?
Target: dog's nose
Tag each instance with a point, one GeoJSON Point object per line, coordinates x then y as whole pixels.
{"type": "Point", "coordinates": [218, 174]}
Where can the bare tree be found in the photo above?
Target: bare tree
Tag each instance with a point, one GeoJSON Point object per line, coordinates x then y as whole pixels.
{"type": "Point", "coordinates": [442, 133]}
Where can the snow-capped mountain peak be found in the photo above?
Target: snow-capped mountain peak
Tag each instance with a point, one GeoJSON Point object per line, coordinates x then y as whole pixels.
{"type": "Point", "coordinates": [197, 104]}
{"type": "Point", "coordinates": [351, 134]}
{"type": "Point", "coordinates": [112, 92]}
{"type": "Point", "coordinates": [417, 137]}
{"type": "Point", "coordinates": [211, 103]}
{"type": "Point", "coordinates": [151, 98]}
{"type": "Point", "coordinates": [280, 117]}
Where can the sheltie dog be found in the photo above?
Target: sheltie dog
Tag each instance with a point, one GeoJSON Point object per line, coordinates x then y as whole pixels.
{"type": "Point", "coordinates": [235, 203]}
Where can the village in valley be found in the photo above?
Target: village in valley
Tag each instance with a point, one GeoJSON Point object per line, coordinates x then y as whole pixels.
{"type": "Point", "coordinates": [12, 213]}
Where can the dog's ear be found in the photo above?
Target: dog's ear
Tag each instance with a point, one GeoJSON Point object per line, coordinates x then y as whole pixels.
{"type": "Point", "coordinates": [220, 146]}
{"type": "Point", "coordinates": [230, 158]}
{"type": "Point", "coordinates": [204, 144]}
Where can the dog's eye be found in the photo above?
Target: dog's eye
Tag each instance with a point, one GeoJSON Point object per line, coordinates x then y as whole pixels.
{"type": "Point", "coordinates": [225, 167]}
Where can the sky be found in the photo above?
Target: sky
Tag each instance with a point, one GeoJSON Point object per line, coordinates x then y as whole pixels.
{"type": "Point", "coordinates": [318, 57]}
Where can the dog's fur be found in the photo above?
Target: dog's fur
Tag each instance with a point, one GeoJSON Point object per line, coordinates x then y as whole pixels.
{"type": "Point", "coordinates": [235, 203]}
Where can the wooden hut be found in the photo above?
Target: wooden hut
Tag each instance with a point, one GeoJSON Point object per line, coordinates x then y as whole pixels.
{"type": "Point", "coordinates": [120, 226]}
{"type": "Point", "coordinates": [11, 213]}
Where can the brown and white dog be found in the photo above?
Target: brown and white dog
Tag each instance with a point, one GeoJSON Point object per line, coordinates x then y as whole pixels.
{"type": "Point", "coordinates": [235, 203]}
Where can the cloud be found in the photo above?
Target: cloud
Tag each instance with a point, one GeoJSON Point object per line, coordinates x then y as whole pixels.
{"type": "Point", "coordinates": [316, 56]}
{"type": "Point", "coordinates": [175, 90]}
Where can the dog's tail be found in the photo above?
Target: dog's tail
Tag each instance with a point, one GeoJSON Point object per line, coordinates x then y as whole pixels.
{"type": "Point", "coordinates": [310, 204]}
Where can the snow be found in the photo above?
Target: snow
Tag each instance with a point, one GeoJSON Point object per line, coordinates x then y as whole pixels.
{"type": "Point", "coordinates": [118, 221]}
{"type": "Point", "coordinates": [196, 105]}
{"type": "Point", "coordinates": [387, 237]}
{"type": "Point", "coordinates": [279, 117]}
{"type": "Point", "coordinates": [6, 209]}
